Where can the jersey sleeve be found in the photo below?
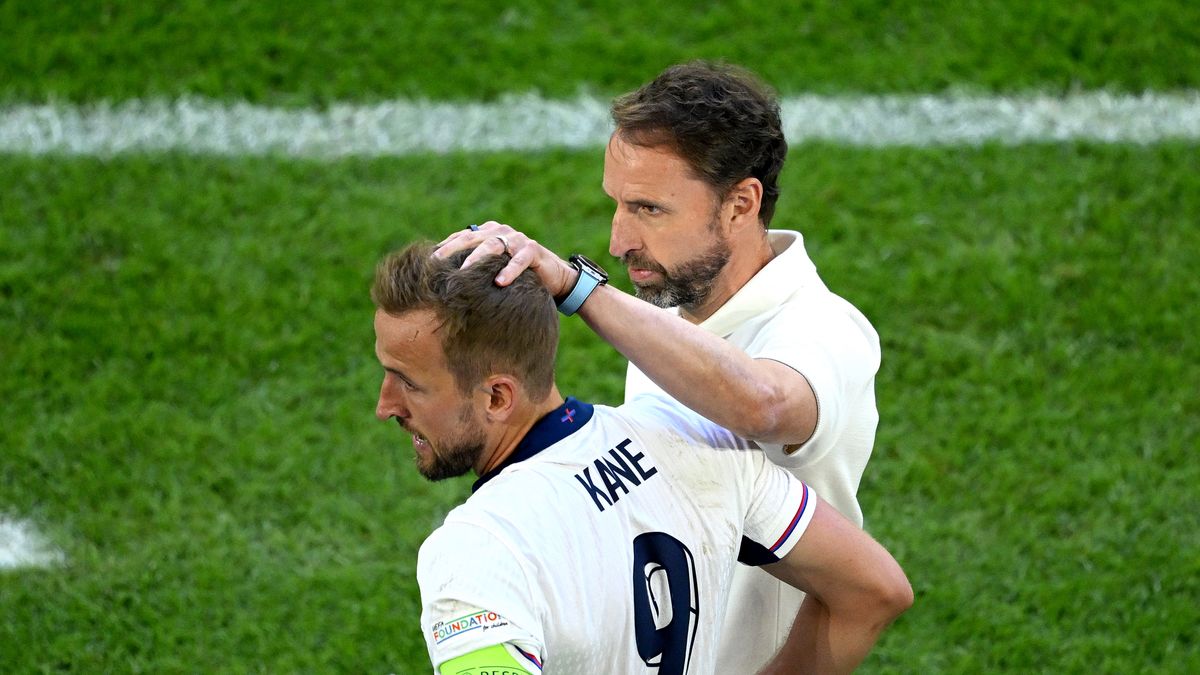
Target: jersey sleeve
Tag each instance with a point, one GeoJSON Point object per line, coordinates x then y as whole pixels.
{"type": "Point", "coordinates": [475, 595]}
{"type": "Point", "coordinates": [836, 350]}
{"type": "Point", "coordinates": [781, 507]}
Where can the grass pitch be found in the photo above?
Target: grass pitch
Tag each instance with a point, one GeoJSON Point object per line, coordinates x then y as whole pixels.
{"type": "Point", "coordinates": [372, 49]}
{"type": "Point", "coordinates": [186, 365]}
{"type": "Point", "coordinates": [191, 385]}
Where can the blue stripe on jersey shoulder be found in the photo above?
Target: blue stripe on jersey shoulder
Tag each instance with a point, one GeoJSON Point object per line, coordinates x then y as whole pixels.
{"type": "Point", "coordinates": [556, 425]}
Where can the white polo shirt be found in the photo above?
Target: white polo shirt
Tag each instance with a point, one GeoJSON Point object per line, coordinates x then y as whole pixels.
{"type": "Point", "coordinates": [603, 545]}
{"type": "Point", "coordinates": [786, 313]}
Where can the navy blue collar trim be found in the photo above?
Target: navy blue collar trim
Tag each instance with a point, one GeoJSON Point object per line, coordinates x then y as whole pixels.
{"type": "Point", "coordinates": [556, 425]}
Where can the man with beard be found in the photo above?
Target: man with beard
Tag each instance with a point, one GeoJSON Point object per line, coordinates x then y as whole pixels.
{"type": "Point", "coordinates": [754, 341]}
{"type": "Point", "coordinates": [593, 541]}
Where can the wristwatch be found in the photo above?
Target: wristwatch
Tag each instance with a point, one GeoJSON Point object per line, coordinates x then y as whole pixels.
{"type": "Point", "coordinates": [591, 275]}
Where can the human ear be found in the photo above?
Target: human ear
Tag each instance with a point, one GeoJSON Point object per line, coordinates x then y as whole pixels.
{"type": "Point", "coordinates": [743, 202]}
{"type": "Point", "coordinates": [502, 397]}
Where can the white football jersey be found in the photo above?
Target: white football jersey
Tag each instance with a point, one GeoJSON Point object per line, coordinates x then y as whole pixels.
{"type": "Point", "coordinates": [607, 542]}
{"type": "Point", "coordinates": [786, 313]}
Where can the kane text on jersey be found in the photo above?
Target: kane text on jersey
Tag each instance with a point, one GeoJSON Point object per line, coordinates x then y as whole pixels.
{"type": "Point", "coordinates": [617, 470]}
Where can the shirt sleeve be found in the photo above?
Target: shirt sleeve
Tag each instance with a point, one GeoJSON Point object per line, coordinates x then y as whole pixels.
{"type": "Point", "coordinates": [781, 507]}
{"type": "Point", "coordinates": [836, 350]}
{"type": "Point", "coordinates": [475, 594]}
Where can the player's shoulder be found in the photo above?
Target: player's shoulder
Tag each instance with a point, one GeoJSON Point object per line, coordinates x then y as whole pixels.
{"type": "Point", "coordinates": [660, 423]}
{"type": "Point", "coordinates": [653, 411]}
{"type": "Point", "coordinates": [524, 503]}
{"type": "Point", "coordinates": [516, 494]}
{"type": "Point", "coordinates": [471, 533]}
{"type": "Point", "coordinates": [654, 407]}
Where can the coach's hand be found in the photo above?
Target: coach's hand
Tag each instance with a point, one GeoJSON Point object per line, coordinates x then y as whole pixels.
{"type": "Point", "coordinates": [493, 238]}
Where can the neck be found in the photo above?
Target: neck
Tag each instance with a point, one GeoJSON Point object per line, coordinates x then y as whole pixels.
{"type": "Point", "coordinates": [746, 259]}
{"type": "Point", "coordinates": [509, 433]}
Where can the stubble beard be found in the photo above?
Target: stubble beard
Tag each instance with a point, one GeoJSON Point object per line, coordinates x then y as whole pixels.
{"type": "Point", "coordinates": [455, 456]}
{"type": "Point", "coordinates": [688, 285]}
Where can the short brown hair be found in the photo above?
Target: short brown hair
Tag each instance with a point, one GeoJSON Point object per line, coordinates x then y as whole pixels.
{"type": "Point", "coordinates": [486, 328]}
{"type": "Point", "coordinates": [721, 119]}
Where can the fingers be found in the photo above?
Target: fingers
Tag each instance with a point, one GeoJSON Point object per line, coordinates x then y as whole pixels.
{"type": "Point", "coordinates": [492, 245]}
{"type": "Point", "coordinates": [472, 237]}
{"type": "Point", "coordinates": [493, 238]}
{"type": "Point", "coordinates": [490, 238]}
{"type": "Point", "coordinates": [521, 260]}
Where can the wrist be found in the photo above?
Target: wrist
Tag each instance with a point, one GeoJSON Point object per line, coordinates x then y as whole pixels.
{"type": "Point", "coordinates": [569, 278]}
{"type": "Point", "coordinates": [588, 277]}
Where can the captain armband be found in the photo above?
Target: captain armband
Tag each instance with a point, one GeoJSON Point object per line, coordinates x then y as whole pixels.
{"type": "Point", "coordinates": [493, 660]}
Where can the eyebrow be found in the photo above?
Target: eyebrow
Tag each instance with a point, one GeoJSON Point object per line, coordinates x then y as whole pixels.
{"type": "Point", "coordinates": [400, 374]}
{"type": "Point", "coordinates": [648, 202]}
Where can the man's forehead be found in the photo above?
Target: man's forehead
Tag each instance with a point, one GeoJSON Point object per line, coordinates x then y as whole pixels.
{"type": "Point", "coordinates": [411, 331]}
{"type": "Point", "coordinates": [657, 160]}
{"type": "Point", "coordinates": [651, 168]}
{"type": "Point", "coordinates": [623, 148]}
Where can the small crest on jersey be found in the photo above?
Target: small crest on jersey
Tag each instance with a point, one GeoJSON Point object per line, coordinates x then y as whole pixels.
{"type": "Point", "coordinates": [482, 620]}
{"type": "Point", "coordinates": [569, 417]}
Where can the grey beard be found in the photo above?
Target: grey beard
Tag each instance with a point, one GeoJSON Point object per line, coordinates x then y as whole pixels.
{"type": "Point", "coordinates": [690, 284]}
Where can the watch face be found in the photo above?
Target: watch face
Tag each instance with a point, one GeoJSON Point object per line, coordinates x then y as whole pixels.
{"type": "Point", "coordinates": [594, 269]}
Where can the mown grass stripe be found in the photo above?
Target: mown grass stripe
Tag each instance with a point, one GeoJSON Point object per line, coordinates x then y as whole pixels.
{"type": "Point", "coordinates": [22, 546]}
{"type": "Point", "coordinates": [528, 122]}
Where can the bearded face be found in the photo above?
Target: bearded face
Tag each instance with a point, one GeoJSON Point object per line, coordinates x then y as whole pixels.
{"type": "Point", "coordinates": [688, 285]}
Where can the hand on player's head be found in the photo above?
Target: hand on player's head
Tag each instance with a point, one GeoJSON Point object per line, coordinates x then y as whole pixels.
{"type": "Point", "coordinates": [492, 238]}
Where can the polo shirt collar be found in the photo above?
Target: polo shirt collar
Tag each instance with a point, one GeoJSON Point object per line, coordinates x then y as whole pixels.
{"type": "Point", "coordinates": [789, 271]}
{"type": "Point", "coordinates": [554, 426]}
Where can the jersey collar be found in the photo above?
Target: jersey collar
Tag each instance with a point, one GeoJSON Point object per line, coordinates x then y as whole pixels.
{"type": "Point", "coordinates": [556, 425]}
{"type": "Point", "coordinates": [790, 271]}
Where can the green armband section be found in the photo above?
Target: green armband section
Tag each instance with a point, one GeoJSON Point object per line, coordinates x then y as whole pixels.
{"type": "Point", "coordinates": [494, 660]}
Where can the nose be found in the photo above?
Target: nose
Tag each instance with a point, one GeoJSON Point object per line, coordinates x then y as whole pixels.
{"type": "Point", "coordinates": [623, 237]}
{"type": "Point", "coordinates": [391, 400]}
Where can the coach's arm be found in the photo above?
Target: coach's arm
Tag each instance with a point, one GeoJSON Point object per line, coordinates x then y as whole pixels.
{"type": "Point", "coordinates": [758, 399]}
{"type": "Point", "coordinates": [854, 590]}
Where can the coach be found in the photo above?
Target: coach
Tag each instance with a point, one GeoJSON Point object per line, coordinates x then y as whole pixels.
{"type": "Point", "coordinates": [754, 340]}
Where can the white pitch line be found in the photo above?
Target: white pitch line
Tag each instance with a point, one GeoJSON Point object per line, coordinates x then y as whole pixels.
{"type": "Point", "coordinates": [22, 546]}
{"type": "Point", "coordinates": [396, 128]}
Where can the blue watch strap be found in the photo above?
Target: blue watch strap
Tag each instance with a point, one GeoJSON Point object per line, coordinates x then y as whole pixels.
{"type": "Point", "coordinates": [583, 288]}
